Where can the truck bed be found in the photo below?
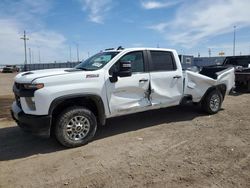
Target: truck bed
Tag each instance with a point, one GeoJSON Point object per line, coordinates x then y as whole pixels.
{"type": "Point", "coordinates": [197, 83]}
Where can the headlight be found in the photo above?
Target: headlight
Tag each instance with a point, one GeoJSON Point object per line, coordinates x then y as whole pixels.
{"type": "Point", "coordinates": [33, 86]}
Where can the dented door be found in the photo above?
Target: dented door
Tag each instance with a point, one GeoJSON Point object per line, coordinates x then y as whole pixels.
{"type": "Point", "coordinates": [166, 79]}
{"type": "Point", "coordinates": [129, 94]}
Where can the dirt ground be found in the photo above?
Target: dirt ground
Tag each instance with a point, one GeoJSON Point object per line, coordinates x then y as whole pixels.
{"type": "Point", "coordinates": [172, 147]}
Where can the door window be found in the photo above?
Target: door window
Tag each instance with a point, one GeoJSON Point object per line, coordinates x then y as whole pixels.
{"type": "Point", "coordinates": [162, 61]}
{"type": "Point", "coordinates": [136, 59]}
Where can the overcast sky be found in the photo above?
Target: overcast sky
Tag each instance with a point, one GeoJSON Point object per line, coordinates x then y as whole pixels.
{"type": "Point", "coordinates": [55, 26]}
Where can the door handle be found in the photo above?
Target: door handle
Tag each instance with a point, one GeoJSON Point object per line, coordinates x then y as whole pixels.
{"type": "Point", "coordinates": [143, 80]}
{"type": "Point", "coordinates": [177, 77]}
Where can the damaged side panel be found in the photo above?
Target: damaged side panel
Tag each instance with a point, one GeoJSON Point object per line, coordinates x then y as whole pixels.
{"type": "Point", "coordinates": [166, 88]}
{"type": "Point", "coordinates": [128, 94]}
{"type": "Point", "coordinates": [196, 84]}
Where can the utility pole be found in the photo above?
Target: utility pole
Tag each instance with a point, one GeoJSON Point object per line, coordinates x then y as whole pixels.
{"type": "Point", "coordinates": [24, 38]}
{"type": "Point", "coordinates": [39, 55]}
{"type": "Point", "coordinates": [77, 52]}
{"type": "Point", "coordinates": [234, 41]}
{"type": "Point", "coordinates": [30, 55]}
{"type": "Point", "coordinates": [209, 52]}
{"type": "Point", "coordinates": [69, 53]}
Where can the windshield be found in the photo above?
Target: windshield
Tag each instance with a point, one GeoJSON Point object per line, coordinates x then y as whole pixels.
{"type": "Point", "coordinates": [97, 61]}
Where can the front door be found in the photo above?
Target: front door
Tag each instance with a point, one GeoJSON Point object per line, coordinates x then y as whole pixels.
{"type": "Point", "coordinates": [129, 94]}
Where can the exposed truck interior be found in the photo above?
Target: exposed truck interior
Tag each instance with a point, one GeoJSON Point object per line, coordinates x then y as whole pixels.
{"type": "Point", "coordinates": [212, 72]}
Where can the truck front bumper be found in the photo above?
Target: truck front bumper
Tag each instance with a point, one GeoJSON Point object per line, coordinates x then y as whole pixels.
{"type": "Point", "coordinates": [38, 125]}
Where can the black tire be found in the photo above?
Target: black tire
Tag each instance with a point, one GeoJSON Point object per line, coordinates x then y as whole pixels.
{"type": "Point", "coordinates": [212, 102]}
{"type": "Point", "coordinates": [72, 117]}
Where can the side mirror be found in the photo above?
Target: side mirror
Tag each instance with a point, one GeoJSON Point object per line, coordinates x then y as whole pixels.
{"type": "Point", "coordinates": [125, 71]}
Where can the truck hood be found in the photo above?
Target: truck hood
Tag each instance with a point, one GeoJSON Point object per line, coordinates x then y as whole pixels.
{"type": "Point", "coordinates": [30, 76]}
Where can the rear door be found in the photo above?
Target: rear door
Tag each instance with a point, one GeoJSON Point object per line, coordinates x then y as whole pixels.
{"type": "Point", "coordinates": [166, 79]}
{"type": "Point", "coordinates": [129, 94]}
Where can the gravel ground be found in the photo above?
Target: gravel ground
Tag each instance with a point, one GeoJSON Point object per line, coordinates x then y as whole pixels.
{"type": "Point", "coordinates": [172, 147]}
{"type": "Point", "coordinates": [6, 82]}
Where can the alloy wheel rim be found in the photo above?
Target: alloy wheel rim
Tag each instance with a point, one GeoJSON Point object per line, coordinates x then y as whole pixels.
{"type": "Point", "coordinates": [77, 128]}
{"type": "Point", "coordinates": [215, 102]}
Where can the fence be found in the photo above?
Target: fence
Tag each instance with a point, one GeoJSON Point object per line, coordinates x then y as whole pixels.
{"type": "Point", "coordinates": [207, 61]}
{"type": "Point", "coordinates": [30, 67]}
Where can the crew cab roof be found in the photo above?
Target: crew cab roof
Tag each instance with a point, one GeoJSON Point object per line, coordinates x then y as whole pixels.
{"type": "Point", "coordinates": [140, 48]}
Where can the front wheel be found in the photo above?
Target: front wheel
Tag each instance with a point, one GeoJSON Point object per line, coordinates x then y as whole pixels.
{"type": "Point", "coordinates": [75, 126]}
{"type": "Point", "coordinates": [212, 102]}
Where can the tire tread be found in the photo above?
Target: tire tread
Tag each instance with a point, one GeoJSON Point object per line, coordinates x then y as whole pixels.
{"type": "Point", "coordinates": [65, 116]}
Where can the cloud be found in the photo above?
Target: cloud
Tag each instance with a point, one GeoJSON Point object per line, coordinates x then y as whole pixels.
{"type": "Point", "coordinates": [97, 9]}
{"type": "Point", "coordinates": [16, 16]}
{"type": "Point", "coordinates": [137, 45]}
{"type": "Point", "coordinates": [198, 21]}
{"type": "Point", "coordinates": [11, 47]}
{"type": "Point", "coordinates": [157, 4]}
{"type": "Point", "coordinates": [160, 27]}
{"type": "Point", "coordinates": [51, 45]}
{"type": "Point", "coordinates": [25, 10]}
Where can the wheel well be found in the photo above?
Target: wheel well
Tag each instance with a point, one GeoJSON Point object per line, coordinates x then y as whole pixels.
{"type": "Point", "coordinates": [93, 103]}
{"type": "Point", "coordinates": [222, 88]}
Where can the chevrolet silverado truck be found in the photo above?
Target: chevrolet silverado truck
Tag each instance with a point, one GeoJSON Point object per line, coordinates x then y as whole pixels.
{"type": "Point", "coordinates": [70, 103]}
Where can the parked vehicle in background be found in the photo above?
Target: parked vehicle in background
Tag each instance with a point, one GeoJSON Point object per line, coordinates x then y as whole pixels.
{"type": "Point", "coordinates": [10, 69]}
{"type": "Point", "coordinates": [242, 69]}
{"type": "Point", "coordinates": [71, 102]}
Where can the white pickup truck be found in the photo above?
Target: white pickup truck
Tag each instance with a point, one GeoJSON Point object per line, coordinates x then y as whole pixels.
{"type": "Point", "coordinates": [71, 102]}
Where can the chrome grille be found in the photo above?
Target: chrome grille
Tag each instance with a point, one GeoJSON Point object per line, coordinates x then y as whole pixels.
{"type": "Point", "coordinates": [18, 86]}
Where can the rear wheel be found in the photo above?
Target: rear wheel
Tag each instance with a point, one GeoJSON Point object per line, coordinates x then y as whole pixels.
{"type": "Point", "coordinates": [75, 126]}
{"type": "Point", "coordinates": [212, 102]}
